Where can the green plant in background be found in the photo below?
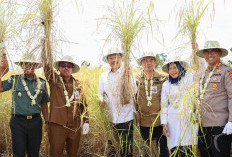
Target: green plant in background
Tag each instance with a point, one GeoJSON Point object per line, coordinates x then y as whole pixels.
{"type": "Point", "coordinates": [190, 15]}
{"type": "Point", "coordinates": [160, 59]}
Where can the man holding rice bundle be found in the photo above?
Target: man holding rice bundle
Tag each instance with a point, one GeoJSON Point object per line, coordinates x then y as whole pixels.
{"type": "Point", "coordinates": [68, 108]}
{"type": "Point", "coordinates": [29, 98]}
{"type": "Point", "coordinates": [148, 98]}
{"type": "Point", "coordinates": [121, 116]}
{"type": "Point", "coordinates": [215, 102]}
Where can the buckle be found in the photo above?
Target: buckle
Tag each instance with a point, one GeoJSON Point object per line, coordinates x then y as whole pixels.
{"type": "Point", "coordinates": [29, 117]}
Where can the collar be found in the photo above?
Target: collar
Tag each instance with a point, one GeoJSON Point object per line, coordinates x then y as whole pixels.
{"type": "Point", "coordinates": [118, 70]}
{"type": "Point", "coordinates": [217, 66]}
{"type": "Point", "coordinates": [25, 77]}
{"type": "Point", "coordinates": [155, 74]}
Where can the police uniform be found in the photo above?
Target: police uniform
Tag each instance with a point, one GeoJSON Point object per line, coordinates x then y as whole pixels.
{"type": "Point", "coordinates": [149, 116]}
{"type": "Point", "coordinates": [216, 111]}
{"type": "Point", "coordinates": [26, 122]}
{"type": "Point", "coordinates": [64, 122]}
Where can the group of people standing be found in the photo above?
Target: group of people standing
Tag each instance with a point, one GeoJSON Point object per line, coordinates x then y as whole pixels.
{"type": "Point", "coordinates": [164, 107]}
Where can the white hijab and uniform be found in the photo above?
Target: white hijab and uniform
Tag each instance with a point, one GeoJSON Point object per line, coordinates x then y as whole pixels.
{"type": "Point", "coordinates": [176, 110]}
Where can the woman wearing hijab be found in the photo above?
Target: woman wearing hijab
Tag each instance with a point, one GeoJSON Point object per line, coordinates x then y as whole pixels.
{"type": "Point", "coordinates": [177, 109]}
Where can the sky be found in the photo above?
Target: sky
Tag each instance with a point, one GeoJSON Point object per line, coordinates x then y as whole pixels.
{"type": "Point", "coordinates": [79, 32]}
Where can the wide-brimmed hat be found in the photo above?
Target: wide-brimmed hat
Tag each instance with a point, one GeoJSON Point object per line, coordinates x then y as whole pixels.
{"type": "Point", "coordinates": [146, 54]}
{"type": "Point", "coordinates": [69, 59]}
{"type": "Point", "coordinates": [28, 58]}
{"type": "Point", "coordinates": [110, 52]}
{"type": "Point", "coordinates": [211, 45]}
{"type": "Point", "coordinates": [182, 63]}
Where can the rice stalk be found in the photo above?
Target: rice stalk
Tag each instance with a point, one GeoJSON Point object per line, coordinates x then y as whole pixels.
{"type": "Point", "coordinates": [46, 8]}
{"type": "Point", "coordinates": [190, 17]}
{"type": "Point", "coordinates": [126, 22]}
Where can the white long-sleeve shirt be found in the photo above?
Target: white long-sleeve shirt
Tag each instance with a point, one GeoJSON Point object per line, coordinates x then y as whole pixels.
{"type": "Point", "coordinates": [109, 85]}
{"type": "Point", "coordinates": [178, 118]}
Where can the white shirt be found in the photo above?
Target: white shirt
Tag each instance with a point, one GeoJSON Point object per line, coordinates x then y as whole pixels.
{"type": "Point", "coordinates": [178, 118]}
{"type": "Point", "coordinates": [109, 90]}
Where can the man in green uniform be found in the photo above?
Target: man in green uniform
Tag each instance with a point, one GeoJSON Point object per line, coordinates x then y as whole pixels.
{"type": "Point", "coordinates": [148, 98]}
{"type": "Point", "coordinates": [29, 98]}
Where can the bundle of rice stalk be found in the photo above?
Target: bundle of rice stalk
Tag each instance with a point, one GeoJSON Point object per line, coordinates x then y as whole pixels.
{"type": "Point", "coordinates": [190, 15]}
{"type": "Point", "coordinates": [127, 22]}
{"type": "Point", "coordinates": [46, 11]}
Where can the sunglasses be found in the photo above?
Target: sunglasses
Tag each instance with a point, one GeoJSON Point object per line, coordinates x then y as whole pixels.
{"type": "Point", "coordinates": [212, 52]}
{"type": "Point", "coordinates": [66, 65]}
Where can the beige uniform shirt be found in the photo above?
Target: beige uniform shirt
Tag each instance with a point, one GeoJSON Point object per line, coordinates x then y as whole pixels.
{"type": "Point", "coordinates": [216, 106]}
{"type": "Point", "coordinates": [149, 115]}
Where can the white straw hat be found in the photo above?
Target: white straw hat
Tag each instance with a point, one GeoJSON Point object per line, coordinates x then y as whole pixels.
{"type": "Point", "coordinates": [183, 63]}
{"type": "Point", "coordinates": [28, 58]}
{"type": "Point", "coordinates": [146, 54]}
{"type": "Point", "coordinates": [67, 59]}
{"type": "Point", "coordinates": [110, 52]}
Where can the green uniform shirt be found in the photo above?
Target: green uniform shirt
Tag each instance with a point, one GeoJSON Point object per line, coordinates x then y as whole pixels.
{"type": "Point", "coordinates": [21, 102]}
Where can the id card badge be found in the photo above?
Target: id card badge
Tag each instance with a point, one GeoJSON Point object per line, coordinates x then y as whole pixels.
{"type": "Point", "coordinates": [154, 89]}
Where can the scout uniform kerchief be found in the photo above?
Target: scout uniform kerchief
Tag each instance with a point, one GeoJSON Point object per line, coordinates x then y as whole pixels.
{"type": "Point", "coordinates": [110, 52]}
{"type": "Point", "coordinates": [211, 45]}
{"type": "Point", "coordinates": [146, 54]}
{"type": "Point", "coordinates": [69, 59]}
{"type": "Point", "coordinates": [28, 58]}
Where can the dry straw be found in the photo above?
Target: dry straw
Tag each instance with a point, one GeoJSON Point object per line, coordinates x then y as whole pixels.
{"type": "Point", "coordinates": [190, 15]}
{"type": "Point", "coordinates": [126, 22]}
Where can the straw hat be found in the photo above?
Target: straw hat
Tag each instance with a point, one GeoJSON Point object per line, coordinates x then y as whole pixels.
{"type": "Point", "coordinates": [28, 58]}
{"type": "Point", "coordinates": [67, 59]}
{"type": "Point", "coordinates": [146, 54]}
{"type": "Point", "coordinates": [212, 45]}
{"type": "Point", "coordinates": [183, 63]}
{"type": "Point", "coordinates": [110, 52]}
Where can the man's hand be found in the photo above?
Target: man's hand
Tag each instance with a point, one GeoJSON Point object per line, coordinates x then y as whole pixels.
{"type": "Point", "coordinates": [165, 130]}
{"type": "Point", "coordinates": [137, 118]}
{"type": "Point", "coordinates": [85, 128]}
{"type": "Point", "coordinates": [102, 103]}
{"type": "Point", "coordinates": [46, 130]}
{"type": "Point", "coordinates": [228, 128]}
{"type": "Point", "coordinates": [195, 46]}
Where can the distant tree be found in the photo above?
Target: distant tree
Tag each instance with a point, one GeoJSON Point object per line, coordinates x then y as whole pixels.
{"type": "Point", "coordinates": [160, 59]}
{"type": "Point", "coordinates": [85, 63]}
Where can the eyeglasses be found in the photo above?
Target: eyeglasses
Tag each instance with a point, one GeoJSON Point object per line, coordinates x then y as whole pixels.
{"type": "Point", "coordinates": [66, 65]}
{"type": "Point", "coordinates": [212, 52]}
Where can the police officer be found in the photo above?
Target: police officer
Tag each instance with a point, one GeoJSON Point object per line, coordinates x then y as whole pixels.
{"type": "Point", "coordinates": [29, 98]}
{"type": "Point", "coordinates": [215, 102]}
{"type": "Point", "coordinates": [148, 98]}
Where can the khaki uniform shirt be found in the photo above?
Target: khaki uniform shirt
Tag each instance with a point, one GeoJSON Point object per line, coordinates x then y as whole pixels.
{"type": "Point", "coordinates": [149, 115]}
{"type": "Point", "coordinates": [59, 113]}
{"type": "Point", "coordinates": [216, 106]}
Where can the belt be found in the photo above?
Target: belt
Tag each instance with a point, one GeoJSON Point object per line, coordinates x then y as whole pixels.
{"type": "Point", "coordinates": [26, 116]}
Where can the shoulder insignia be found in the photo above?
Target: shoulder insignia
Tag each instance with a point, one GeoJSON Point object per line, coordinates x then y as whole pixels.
{"type": "Point", "coordinates": [230, 75]}
{"type": "Point", "coordinates": [219, 70]}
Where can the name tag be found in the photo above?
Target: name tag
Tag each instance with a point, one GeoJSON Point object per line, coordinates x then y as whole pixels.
{"type": "Point", "coordinates": [76, 94]}
{"type": "Point", "coordinates": [154, 89]}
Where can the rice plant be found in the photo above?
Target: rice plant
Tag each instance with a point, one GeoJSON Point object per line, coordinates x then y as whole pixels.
{"type": "Point", "coordinates": [190, 15]}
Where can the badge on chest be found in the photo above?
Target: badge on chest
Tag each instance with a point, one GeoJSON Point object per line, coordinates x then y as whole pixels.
{"type": "Point", "coordinates": [154, 89]}
{"type": "Point", "coordinates": [76, 94]}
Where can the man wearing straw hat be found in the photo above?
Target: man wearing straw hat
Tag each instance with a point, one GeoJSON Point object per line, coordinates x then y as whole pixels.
{"type": "Point", "coordinates": [120, 116]}
{"type": "Point", "coordinates": [29, 98]}
{"type": "Point", "coordinates": [67, 108]}
{"type": "Point", "coordinates": [148, 98]}
{"type": "Point", "coordinates": [215, 102]}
